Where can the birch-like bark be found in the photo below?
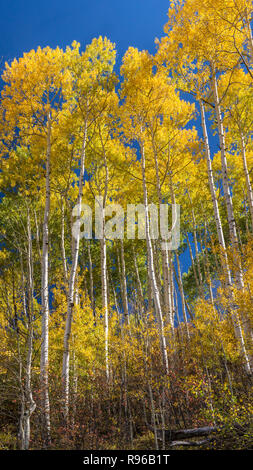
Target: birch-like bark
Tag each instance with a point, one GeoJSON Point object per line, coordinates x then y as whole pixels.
{"type": "Point", "coordinates": [71, 286]}
{"type": "Point", "coordinates": [195, 242]}
{"type": "Point", "coordinates": [223, 250]}
{"type": "Point", "coordinates": [229, 202]}
{"type": "Point", "coordinates": [249, 32]}
{"type": "Point", "coordinates": [63, 252]}
{"type": "Point", "coordinates": [247, 325]}
{"type": "Point", "coordinates": [224, 257]}
{"type": "Point", "coordinates": [247, 178]}
{"type": "Point", "coordinates": [20, 434]}
{"type": "Point", "coordinates": [149, 286]}
{"type": "Point", "coordinates": [92, 299]}
{"type": "Point", "coordinates": [225, 182]}
{"type": "Point", "coordinates": [180, 282]}
{"type": "Point", "coordinates": [105, 302]}
{"type": "Point", "coordinates": [27, 403]}
{"type": "Point", "coordinates": [45, 406]}
{"type": "Point", "coordinates": [104, 267]}
{"type": "Point", "coordinates": [75, 387]}
{"type": "Point", "coordinates": [30, 404]}
{"type": "Point", "coordinates": [123, 282]}
{"type": "Point", "coordinates": [171, 283]}
{"type": "Point", "coordinates": [158, 271]}
{"type": "Point", "coordinates": [37, 235]}
{"type": "Point", "coordinates": [149, 384]}
{"type": "Point", "coordinates": [139, 285]}
{"type": "Point", "coordinates": [151, 263]}
{"type": "Point", "coordinates": [165, 261]}
{"type": "Point", "coordinates": [168, 287]}
{"type": "Point", "coordinates": [207, 265]}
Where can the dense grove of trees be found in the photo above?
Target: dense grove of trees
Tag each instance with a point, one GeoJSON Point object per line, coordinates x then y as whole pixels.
{"type": "Point", "coordinates": [104, 343]}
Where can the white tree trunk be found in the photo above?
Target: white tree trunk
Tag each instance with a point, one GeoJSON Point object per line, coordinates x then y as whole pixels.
{"type": "Point", "coordinates": [104, 268]}
{"type": "Point", "coordinates": [247, 178]}
{"type": "Point", "coordinates": [64, 260]}
{"type": "Point", "coordinates": [223, 250]}
{"type": "Point", "coordinates": [124, 283]}
{"type": "Point", "coordinates": [249, 33]}
{"type": "Point", "coordinates": [71, 286]}
{"type": "Point", "coordinates": [165, 260]}
{"type": "Point", "coordinates": [92, 299]}
{"type": "Point", "coordinates": [151, 264]}
{"type": "Point", "coordinates": [45, 303]}
{"type": "Point", "coordinates": [224, 258]}
{"type": "Point", "coordinates": [30, 403]}
{"type": "Point", "coordinates": [195, 242]}
{"type": "Point", "coordinates": [168, 288]}
{"type": "Point", "coordinates": [105, 302]}
{"type": "Point", "coordinates": [225, 181]}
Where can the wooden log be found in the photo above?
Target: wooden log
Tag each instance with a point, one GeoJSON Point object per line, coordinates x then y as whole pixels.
{"type": "Point", "coordinates": [190, 443]}
{"type": "Point", "coordinates": [171, 435]}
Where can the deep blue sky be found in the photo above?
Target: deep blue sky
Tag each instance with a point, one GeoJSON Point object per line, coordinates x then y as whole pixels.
{"type": "Point", "coordinates": [26, 24]}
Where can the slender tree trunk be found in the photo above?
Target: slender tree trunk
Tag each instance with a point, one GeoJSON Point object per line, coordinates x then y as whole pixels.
{"type": "Point", "coordinates": [247, 178]}
{"type": "Point", "coordinates": [195, 242]}
{"type": "Point", "coordinates": [151, 264]}
{"type": "Point", "coordinates": [180, 282]}
{"type": "Point", "coordinates": [139, 285]}
{"type": "Point", "coordinates": [29, 401]}
{"type": "Point", "coordinates": [105, 302]}
{"type": "Point", "coordinates": [71, 286]}
{"type": "Point", "coordinates": [75, 388]}
{"type": "Point", "coordinates": [92, 299]}
{"type": "Point", "coordinates": [225, 181]}
{"type": "Point", "coordinates": [171, 284]}
{"type": "Point", "coordinates": [249, 32]}
{"type": "Point", "coordinates": [37, 235]}
{"type": "Point", "coordinates": [140, 296]}
{"type": "Point", "coordinates": [223, 250]}
{"type": "Point", "coordinates": [45, 411]}
{"type": "Point", "coordinates": [224, 258]}
{"type": "Point", "coordinates": [104, 267]}
{"type": "Point", "coordinates": [149, 384]}
{"type": "Point", "coordinates": [149, 286]}
{"type": "Point", "coordinates": [123, 281]}
{"type": "Point", "coordinates": [157, 269]}
{"type": "Point", "coordinates": [165, 261]}
{"type": "Point", "coordinates": [207, 265]}
{"type": "Point", "coordinates": [229, 203]}
{"type": "Point", "coordinates": [64, 260]}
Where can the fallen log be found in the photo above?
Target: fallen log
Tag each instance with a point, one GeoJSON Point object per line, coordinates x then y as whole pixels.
{"type": "Point", "coordinates": [180, 437]}
{"type": "Point", "coordinates": [171, 435]}
{"type": "Point", "coordinates": [190, 443]}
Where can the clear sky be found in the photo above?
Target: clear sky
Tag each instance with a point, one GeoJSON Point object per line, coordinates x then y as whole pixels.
{"type": "Point", "coordinates": [26, 24]}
